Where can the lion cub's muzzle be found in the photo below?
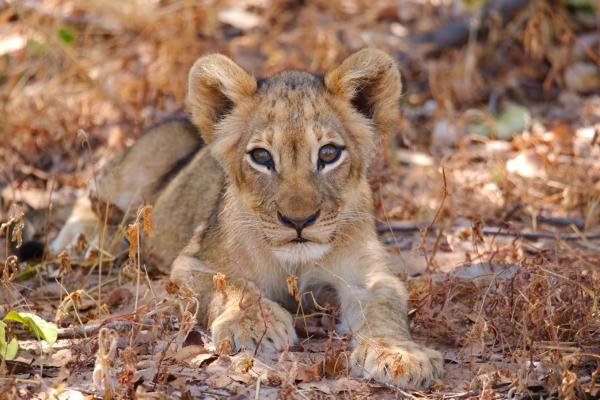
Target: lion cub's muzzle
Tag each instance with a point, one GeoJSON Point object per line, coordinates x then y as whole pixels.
{"type": "Point", "coordinates": [298, 223]}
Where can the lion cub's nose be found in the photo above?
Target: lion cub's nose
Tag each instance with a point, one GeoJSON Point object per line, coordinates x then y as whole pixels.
{"type": "Point", "coordinates": [298, 223]}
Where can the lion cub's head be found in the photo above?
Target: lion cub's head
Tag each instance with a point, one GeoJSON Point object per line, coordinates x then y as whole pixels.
{"type": "Point", "coordinates": [296, 146]}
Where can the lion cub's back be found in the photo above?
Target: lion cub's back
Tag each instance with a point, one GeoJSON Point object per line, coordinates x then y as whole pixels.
{"type": "Point", "coordinates": [138, 174]}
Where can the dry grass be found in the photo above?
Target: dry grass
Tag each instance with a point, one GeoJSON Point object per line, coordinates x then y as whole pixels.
{"type": "Point", "coordinates": [513, 317]}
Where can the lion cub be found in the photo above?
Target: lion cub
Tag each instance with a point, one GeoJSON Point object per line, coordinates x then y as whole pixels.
{"type": "Point", "coordinates": [279, 189]}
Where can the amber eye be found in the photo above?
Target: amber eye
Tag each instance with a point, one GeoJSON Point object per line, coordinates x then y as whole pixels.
{"type": "Point", "coordinates": [262, 157]}
{"type": "Point", "coordinates": [329, 154]}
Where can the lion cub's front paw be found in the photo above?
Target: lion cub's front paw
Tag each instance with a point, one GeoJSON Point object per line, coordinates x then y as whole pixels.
{"type": "Point", "coordinates": [244, 327]}
{"type": "Point", "coordinates": [402, 363]}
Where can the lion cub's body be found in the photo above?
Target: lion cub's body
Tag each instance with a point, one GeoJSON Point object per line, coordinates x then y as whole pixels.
{"type": "Point", "coordinates": [168, 167]}
{"type": "Point", "coordinates": [295, 212]}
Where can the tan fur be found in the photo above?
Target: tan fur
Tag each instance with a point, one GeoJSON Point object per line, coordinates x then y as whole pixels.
{"type": "Point", "coordinates": [135, 176]}
{"type": "Point", "coordinates": [229, 206]}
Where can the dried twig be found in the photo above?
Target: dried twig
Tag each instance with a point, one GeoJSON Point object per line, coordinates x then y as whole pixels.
{"type": "Point", "coordinates": [561, 221]}
{"type": "Point", "coordinates": [92, 328]}
{"type": "Point", "coordinates": [408, 227]}
{"type": "Point", "coordinates": [424, 234]}
{"type": "Point", "coordinates": [457, 33]}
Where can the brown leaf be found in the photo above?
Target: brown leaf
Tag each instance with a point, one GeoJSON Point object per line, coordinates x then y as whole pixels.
{"type": "Point", "coordinates": [219, 282]}
{"type": "Point", "coordinates": [188, 354]}
{"type": "Point", "coordinates": [292, 286]}
{"type": "Point", "coordinates": [202, 360]}
{"type": "Point", "coordinates": [310, 374]}
{"type": "Point", "coordinates": [132, 236]}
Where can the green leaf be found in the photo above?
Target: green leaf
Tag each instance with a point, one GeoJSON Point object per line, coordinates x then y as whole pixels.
{"type": "Point", "coordinates": [8, 351]}
{"type": "Point", "coordinates": [513, 120]}
{"type": "Point", "coordinates": [38, 327]}
{"type": "Point", "coordinates": [474, 4]}
{"type": "Point", "coordinates": [66, 34]}
{"type": "Point", "coordinates": [29, 272]}
{"type": "Point", "coordinates": [479, 128]}
{"type": "Point", "coordinates": [35, 48]}
{"type": "Point", "coordinates": [589, 4]}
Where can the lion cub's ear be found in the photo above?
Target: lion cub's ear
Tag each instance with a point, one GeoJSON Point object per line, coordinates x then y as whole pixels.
{"type": "Point", "coordinates": [215, 85]}
{"type": "Point", "coordinates": [369, 79]}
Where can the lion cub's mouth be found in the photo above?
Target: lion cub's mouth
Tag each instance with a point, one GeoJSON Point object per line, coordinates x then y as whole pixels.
{"type": "Point", "coordinates": [299, 239]}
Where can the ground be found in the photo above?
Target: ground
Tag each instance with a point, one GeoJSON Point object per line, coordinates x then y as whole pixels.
{"type": "Point", "coordinates": [487, 197]}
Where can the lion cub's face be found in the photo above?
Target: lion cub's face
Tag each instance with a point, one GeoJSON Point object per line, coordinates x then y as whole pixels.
{"type": "Point", "coordinates": [298, 167]}
{"type": "Point", "coordinates": [295, 146]}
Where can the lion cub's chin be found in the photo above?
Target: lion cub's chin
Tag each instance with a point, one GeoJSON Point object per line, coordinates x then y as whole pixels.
{"type": "Point", "coordinates": [299, 253]}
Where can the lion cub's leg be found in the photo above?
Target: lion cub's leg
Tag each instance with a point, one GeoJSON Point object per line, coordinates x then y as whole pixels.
{"type": "Point", "coordinates": [81, 221]}
{"type": "Point", "coordinates": [236, 313]}
{"type": "Point", "coordinates": [374, 305]}
{"type": "Point", "coordinates": [84, 221]}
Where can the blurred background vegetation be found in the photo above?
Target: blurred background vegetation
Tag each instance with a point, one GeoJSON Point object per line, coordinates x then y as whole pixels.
{"type": "Point", "coordinates": [498, 69]}
{"type": "Point", "coordinates": [499, 142]}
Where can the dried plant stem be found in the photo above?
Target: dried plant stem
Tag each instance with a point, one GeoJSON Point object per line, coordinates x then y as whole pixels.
{"type": "Point", "coordinates": [74, 305]}
{"type": "Point", "coordinates": [425, 233]}
{"type": "Point", "coordinates": [264, 318]}
{"type": "Point", "coordinates": [47, 223]}
{"type": "Point", "coordinates": [301, 314]}
{"type": "Point", "coordinates": [138, 267]}
{"type": "Point", "coordinates": [149, 282]}
{"type": "Point", "coordinates": [101, 255]}
{"type": "Point", "coordinates": [257, 395]}
{"type": "Point", "coordinates": [493, 231]}
{"type": "Point", "coordinates": [436, 246]}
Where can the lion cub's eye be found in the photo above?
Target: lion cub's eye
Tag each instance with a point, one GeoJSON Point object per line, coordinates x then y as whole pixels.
{"type": "Point", "coordinates": [329, 154]}
{"type": "Point", "coordinates": [262, 157]}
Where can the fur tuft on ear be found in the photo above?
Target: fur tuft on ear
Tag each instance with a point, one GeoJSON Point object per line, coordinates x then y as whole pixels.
{"type": "Point", "coordinates": [369, 79]}
{"type": "Point", "coordinates": [215, 85]}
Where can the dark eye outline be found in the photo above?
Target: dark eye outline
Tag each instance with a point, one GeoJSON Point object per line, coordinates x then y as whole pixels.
{"type": "Point", "coordinates": [322, 163]}
{"type": "Point", "coordinates": [269, 164]}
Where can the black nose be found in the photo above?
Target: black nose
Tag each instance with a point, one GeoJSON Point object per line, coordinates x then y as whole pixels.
{"type": "Point", "coordinates": [298, 224]}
